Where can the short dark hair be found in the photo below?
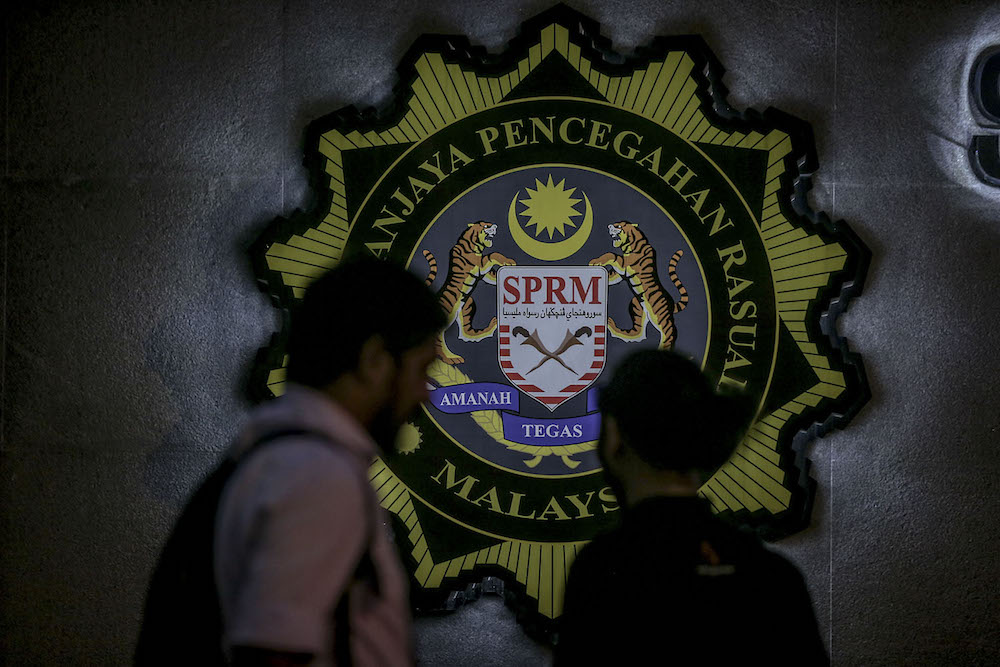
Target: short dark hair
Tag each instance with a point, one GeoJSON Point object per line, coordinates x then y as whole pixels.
{"type": "Point", "coordinates": [356, 300]}
{"type": "Point", "coordinates": [668, 412]}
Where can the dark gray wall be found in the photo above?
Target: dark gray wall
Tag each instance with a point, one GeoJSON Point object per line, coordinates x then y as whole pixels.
{"type": "Point", "coordinates": [147, 145]}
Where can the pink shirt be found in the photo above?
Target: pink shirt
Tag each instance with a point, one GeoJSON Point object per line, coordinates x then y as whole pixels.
{"type": "Point", "coordinates": [290, 531]}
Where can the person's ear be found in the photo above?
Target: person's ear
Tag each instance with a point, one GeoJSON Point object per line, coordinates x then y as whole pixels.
{"type": "Point", "coordinates": [374, 362]}
{"type": "Point", "coordinates": [612, 444]}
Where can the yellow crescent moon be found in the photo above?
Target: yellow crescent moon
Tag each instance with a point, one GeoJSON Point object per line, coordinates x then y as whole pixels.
{"type": "Point", "coordinates": [550, 252]}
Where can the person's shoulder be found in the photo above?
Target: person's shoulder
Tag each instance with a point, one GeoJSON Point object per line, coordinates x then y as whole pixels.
{"type": "Point", "coordinates": [301, 453]}
{"type": "Point", "coordinates": [740, 537]}
{"type": "Point", "coordinates": [781, 566]}
{"type": "Point", "coordinates": [302, 466]}
{"type": "Point", "coordinates": [747, 546]}
{"type": "Point", "coordinates": [741, 544]}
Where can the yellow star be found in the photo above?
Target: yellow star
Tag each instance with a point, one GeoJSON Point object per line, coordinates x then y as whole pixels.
{"type": "Point", "coordinates": [550, 207]}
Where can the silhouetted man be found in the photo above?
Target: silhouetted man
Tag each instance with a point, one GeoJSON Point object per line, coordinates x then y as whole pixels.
{"type": "Point", "coordinates": [305, 568]}
{"type": "Point", "coordinates": [673, 584]}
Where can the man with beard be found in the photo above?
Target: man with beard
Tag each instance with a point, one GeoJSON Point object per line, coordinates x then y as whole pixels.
{"type": "Point", "coordinates": [305, 568]}
{"type": "Point", "coordinates": [673, 584]}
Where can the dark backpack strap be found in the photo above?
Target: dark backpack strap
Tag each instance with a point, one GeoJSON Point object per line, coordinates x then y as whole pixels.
{"type": "Point", "coordinates": [365, 572]}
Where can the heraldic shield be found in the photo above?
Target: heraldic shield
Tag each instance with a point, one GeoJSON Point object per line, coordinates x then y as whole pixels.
{"type": "Point", "coordinates": [552, 339]}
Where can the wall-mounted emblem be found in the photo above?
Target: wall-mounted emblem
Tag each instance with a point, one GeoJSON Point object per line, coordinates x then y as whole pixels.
{"type": "Point", "coordinates": [569, 206]}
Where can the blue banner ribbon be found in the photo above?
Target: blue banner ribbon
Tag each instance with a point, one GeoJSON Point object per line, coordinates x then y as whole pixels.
{"type": "Point", "coordinates": [551, 432]}
{"type": "Point", "coordinates": [475, 396]}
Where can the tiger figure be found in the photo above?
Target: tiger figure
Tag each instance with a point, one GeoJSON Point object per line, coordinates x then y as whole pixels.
{"type": "Point", "coordinates": [637, 264]}
{"type": "Point", "coordinates": [467, 267]}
